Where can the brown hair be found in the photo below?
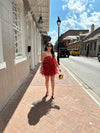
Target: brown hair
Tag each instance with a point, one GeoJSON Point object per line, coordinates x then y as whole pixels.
{"type": "Point", "coordinates": [52, 50]}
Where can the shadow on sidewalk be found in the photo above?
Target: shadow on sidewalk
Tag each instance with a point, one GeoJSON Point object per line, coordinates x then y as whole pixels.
{"type": "Point", "coordinates": [40, 109]}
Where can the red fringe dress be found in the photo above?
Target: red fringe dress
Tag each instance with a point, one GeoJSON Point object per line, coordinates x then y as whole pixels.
{"type": "Point", "coordinates": [49, 66]}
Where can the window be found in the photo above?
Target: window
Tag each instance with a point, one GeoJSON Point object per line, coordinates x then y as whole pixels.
{"type": "Point", "coordinates": [18, 29]}
{"type": "Point", "coordinates": [81, 37]}
{"type": "Point", "coordinates": [90, 46]}
{"type": "Point", "coordinates": [85, 46]}
{"type": "Point", "coordinates": [1, 50]}
{"type": "Point", "coordinates": [94, 45]}
{"type": "Point", "coordinates": [2, 63]}
{"type": "Point", "coordinates": [82, 46]}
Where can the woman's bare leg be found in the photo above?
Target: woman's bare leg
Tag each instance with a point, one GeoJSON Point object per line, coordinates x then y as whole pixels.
{"type": "Point", "coordinates": [47, 84]}
{"type": "Point", "coordinates": [53, 84]}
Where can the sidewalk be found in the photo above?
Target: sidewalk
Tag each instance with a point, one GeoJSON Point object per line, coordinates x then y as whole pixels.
{"type": "Point", "coordinates": [72, 110]}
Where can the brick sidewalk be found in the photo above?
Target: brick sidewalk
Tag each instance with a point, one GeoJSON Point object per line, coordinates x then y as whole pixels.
{"type": "Point", "coordinates": [72, 111]}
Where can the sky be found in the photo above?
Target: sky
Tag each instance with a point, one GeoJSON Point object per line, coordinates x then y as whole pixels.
{"type": "Point", "coordinates": [74, 14]}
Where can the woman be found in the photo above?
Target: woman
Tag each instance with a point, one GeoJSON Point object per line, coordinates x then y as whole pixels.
{"type": "Point", "coordinates": [49, 67]}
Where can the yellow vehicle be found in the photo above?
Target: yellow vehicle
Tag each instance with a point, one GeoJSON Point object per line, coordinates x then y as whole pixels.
{"type": "Point", "coordinates": [75, 52]}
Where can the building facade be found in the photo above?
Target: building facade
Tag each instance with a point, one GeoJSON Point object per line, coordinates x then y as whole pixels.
{"type": "Point", "coordinates": [68, 38]}
{"type": "Point", "coordinates": [90, 45]}
{"type": "Point", "coordinates": [20, 42]}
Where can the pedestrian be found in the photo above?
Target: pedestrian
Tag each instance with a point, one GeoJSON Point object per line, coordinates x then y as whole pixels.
{"type": "Point", "coordinates": [49, 67]}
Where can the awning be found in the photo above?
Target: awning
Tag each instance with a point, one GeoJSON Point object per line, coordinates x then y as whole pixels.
{"type": "Point", "coordinates": [70, 37]}
{"type": "Point", "coordinates": [93, 38]}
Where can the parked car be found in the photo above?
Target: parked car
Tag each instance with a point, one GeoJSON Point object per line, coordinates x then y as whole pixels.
{"type": "Point", "coordinates": [75, 52]}
{"type": "Point", "coordinates": [98, 56]}
{"type": "Point", "coordinates": [63, 52]}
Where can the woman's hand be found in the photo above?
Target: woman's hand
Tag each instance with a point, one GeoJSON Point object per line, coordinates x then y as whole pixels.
{"type": "Point", "coordinates": [59, 69]}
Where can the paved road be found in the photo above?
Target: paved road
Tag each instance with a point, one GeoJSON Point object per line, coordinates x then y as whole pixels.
{"type": "Point", "coordinates": [86, 69]}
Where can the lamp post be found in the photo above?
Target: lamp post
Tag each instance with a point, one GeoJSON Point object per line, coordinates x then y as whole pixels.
{"type": "Point", "coordinates": [58, 23]}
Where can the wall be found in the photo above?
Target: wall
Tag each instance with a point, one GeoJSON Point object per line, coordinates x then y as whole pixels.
{"type": "Point", "coordinates": [15, 71]}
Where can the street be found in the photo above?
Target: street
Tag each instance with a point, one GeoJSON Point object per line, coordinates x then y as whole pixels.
{"type": "Point", "coordinates": [87, 69]}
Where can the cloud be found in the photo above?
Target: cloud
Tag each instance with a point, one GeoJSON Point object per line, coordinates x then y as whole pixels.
{"type": "Point", "coordinates": [54, 36]}
{"type": "Point", "coordinates": [75, 6]}
{"type": "Point", "coordinates": [90, 8]}
{"type": "Point", "coordinates": [67, 24]}
{"type": "Point", "coordinates": [91, 1]}
{"type": "Point", "coordinates": [86, 21]}
{"type": "Point", "coordinates": [64, 7]}
{"type": "Point", "coordinates": [81, 14]}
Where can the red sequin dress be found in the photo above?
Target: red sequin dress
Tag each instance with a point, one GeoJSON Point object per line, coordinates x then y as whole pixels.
{"type": "Point", "coordinates": [49, 66]}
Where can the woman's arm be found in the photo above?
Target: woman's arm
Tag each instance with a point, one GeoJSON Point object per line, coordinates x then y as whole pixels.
{"type": "Point", "coordinates": [58, 65]}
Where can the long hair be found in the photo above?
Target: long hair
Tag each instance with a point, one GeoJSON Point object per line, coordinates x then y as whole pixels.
{"type": "Point", "coordinates": [52, 49]}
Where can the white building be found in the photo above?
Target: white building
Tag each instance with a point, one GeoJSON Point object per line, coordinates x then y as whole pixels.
{"type": "Point", "coordinates": [19, 31]}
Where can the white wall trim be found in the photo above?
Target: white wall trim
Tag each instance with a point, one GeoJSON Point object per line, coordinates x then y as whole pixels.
{"type": "Point", "coordinates": [2, 65]}
{"type": "Point", "coordinates": [20, 59]}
